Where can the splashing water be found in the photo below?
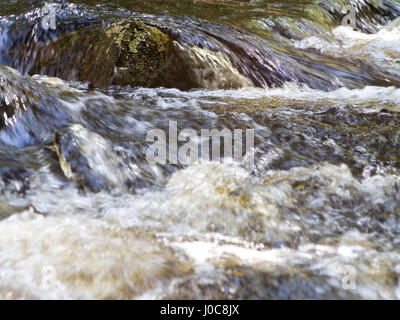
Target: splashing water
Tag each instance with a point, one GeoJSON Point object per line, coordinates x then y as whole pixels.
{"type": "Point", "coordinates": [84, 215]}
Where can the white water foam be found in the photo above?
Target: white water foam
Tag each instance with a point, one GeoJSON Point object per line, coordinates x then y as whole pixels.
{"type": "Point", "coordinates": [381, 49]}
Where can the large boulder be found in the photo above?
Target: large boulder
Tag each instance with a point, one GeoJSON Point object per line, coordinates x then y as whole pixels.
{"type": "Point", "coordinates": [128, 52]}
{"type": "Point", "coordinates": [123, 53]}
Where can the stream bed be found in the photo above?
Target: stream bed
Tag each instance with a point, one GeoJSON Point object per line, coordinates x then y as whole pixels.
{"type": "Point", "coordinates": [310, 212]}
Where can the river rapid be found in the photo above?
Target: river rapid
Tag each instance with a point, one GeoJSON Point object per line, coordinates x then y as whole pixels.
{"type": "Point", "coordinates": [311, 211]}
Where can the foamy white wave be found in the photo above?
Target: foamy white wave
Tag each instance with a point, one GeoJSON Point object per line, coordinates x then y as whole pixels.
{"type": "Point", "coordinates": [79, 257]}
{"type": "Point", "coordinates": [293, 92]}
{"type": "Point", "coordinates": [372, 269]}
{"type": "Point", "coordinates": [381, 49]}
{"type": "Point", "coordinates": [209, 217]}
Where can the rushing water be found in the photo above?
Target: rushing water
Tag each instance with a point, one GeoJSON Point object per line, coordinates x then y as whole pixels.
{"type": "Point", "coordinates": [84, 214]}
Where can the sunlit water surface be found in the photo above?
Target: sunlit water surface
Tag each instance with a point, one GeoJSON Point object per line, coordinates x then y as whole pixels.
{"type": "Point", "coordinates": [321, 198]}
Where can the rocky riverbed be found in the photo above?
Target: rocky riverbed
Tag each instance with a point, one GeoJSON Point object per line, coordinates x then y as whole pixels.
{"type": "Point", "coordinates": [308, 211]}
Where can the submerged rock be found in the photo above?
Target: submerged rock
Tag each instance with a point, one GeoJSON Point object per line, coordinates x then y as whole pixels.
{"type": "Point", "coordinates": [29, 109]}
{"type": "Point", "coordinates": [124, 53]}
{"type": "Point", "coordinates": [133, 53]}
{"type": "Point", "coordinates": [127, 52]}
{"type": "Point", "coordinates": [87, 158]}
{"type": "Point", "coordinates": [7, 210]}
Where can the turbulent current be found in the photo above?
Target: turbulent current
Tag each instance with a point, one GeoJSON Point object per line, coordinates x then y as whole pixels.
{"type": "Point", "coordinates": [311, 211]}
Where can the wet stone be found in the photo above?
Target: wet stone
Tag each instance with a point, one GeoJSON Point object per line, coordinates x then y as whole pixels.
{"type": "Point", "coordinates": [86, 158]}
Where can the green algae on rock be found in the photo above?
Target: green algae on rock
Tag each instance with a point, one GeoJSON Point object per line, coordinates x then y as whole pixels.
{"type": "Point", "coordinates": [128, 52]}
{"type": "Point", "coordinates": [121, 53]}
{"type": "Point", "coordinates": [143, 51]}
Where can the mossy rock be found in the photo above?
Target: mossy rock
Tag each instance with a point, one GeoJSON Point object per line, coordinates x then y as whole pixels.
{"type": "Point", "coordinates": [143, 52]}
{"type": "Point", "coordinates": [128, 52]}
{"type": "Point", "coordinates": [122, 53]}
